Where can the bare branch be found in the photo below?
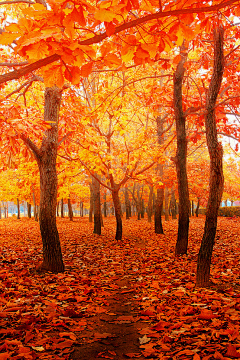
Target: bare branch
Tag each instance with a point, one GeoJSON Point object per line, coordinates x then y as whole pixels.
{"type": "Point", "coordinates": [64, 138]}
{"type": "Point", "coordinates": [8, 64]}
{"type": "Point", "coordinates": [9, 2]}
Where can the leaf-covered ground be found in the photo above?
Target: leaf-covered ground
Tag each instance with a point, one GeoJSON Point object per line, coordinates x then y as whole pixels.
{"type": "Point", "coordinates": [118, 300]}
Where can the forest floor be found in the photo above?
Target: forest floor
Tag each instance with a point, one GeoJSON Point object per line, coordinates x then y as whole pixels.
{"type": "Point", "coordinates": [128, 299]}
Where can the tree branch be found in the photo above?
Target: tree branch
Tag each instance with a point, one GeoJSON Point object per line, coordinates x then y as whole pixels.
{"type": "Point", "coordinates": [16, 74]}
{"type": "Point", "coordinates": [98, 38]}
{"type": "Point", "coordinates": [35, 150]}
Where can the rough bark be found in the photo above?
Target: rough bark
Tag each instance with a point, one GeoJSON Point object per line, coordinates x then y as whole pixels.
{"type": "Point", "coordinates": [197, 208]}
{"type": "Point", "coordinates": [46, 158]}
{"type": "Point", "coordinates": [127, 203]}
{"type": "Point", "coordinates": [105, 206]}
{"type": "Point", "coordinates": [158, 204]}
{"type": "Point", "coordinates": [57, 210]}
{"type": "Point", "coordinates": [35, 207]}
{"type": "Point", "coordinates": [29, 210]}
{"type": "Point", "coordinates": [216, 180]}
{"type": "Point", "coordinates": [70, 210]}
{"type": "Point", "coordinates": [96, 206]}
{"type": "Point", "coordinates": [18, 209]}
{"type": "Point", "coordinates": [166, 207]}
{"type": "Point", "coordinates": [142, 209]}
{"type": "Point", "coordinates": [173, 205]}
{"type": "Point", "coordinates": [181, 159]}
{"type": "Point", "coordinates": [90, 218]}
{"type": "Point", "coordinates": [117, 207]}
{"type": "Point", "coordinates": [158, 211]}
{"type": "Point", "coordinates": [192, 208]}
{"type": "Point", "coordinates": [150, 204]}
{"type": "Point", "coordinates": [62, 209]}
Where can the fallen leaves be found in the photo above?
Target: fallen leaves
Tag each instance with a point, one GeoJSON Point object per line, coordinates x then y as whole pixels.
{"type": "Point", "coordinates": [47, 316]}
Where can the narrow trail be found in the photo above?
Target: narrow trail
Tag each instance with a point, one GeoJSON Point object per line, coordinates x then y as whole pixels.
{"type": "Point", "coordinates": [115, 334]}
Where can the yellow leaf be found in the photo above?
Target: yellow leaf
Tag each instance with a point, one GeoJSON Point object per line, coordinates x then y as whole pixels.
{"type": "Point", "coordinates": [128, 53]}
{"type": "Point", "coordinates": [6, 39]}
{"type": "Point", "coordinates": [104, 15]}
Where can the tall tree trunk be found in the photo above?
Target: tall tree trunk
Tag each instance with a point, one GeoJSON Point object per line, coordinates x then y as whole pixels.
{"type": "Point", "coordinates": [127, 203]}
{"type": "Point", "coordinates": [46, 158]}
{"type": "Point", "coordinates": [91, 205]}
{"type": "Point", "coordinates": [166, 205]}
{"type": "Point", "coordinates": [158, 204]}
{"type": "Point", "coordinates": [29, 210]}
{"type": "Point", "coordinates": [70, 210]}
{"type": "Point", "coordinates": [197, 208]}
{"type": "Point", "coordinates": [192, 208]}
{"type": "Point", "coordinates": [96, 206]}
{"type": "Point", "coordinates": [181, 158]}
{"type": "Point", "coordinates": [18, 209]}
{"type": "Point", "coordinates": [150, 204]}
{"type": "Point", "coordinates": [216, 180]}
{"type": "Point", "coordinates": [173, 205]}
{"type": "Point", "coordinates": [62, 208]}
{"type": "Point", "coordinates": [142, 208]}
{"type": "Point", "coordinates": [117, 207]}
{"type": "Point", "coordinates": [34, 207]}
{"type": "Point", "coordinates": [57, 209]}
{"type": "Point", "coordinates": [105, 205]}
{"type": "Point", "coordinates": [158, 211]}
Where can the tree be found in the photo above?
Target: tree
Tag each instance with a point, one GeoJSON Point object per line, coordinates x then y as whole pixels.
{"type": "Point", "coordinates": [46, 157]}
{"type": "Point", "coordinates": [216, 180]}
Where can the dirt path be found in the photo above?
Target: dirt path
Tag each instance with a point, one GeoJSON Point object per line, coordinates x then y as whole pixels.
{"type": "Point", "coordinates": [115, 334]}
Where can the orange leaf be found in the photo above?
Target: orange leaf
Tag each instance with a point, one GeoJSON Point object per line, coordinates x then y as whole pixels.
{"type": "Point", "coordinates": [77, 16]}
{"type": "Point", "coordinates": [4, 356]}
{"type": "Point", "coordinates": [86, 69]}
{"type": "Point", "coordinates": [206, 315]}
{"type": "Point", "coordinates": [232, 352]}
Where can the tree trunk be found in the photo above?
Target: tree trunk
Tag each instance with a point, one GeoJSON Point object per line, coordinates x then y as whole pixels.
{"type": "Point", "coordinates": [197, 208]}
{"type": "Point", "coordinates": [117, 207]}
{"type": "Point", "coordinates": [35, 207]}
{"type": "Point", "coordinates": [181, 159]}
{"type": "Point", "coordinates": [29, 210]}
{"type": "Point", "coordinates": [18, 209]}
{"type": "Point", "coordinates": [62, 208]}
{"type": "Point", "coordinates": [105, 206]}
{"type": "Point", "coordinates": [46, 158]}
{"type": "Point", "coordinates": [216, 180]}
{"type": "Point", "coordinates": [166, 197]}
{"type": "Point", "coordinates": [57, 209]}
{"type": "Point", "coordinates": [91, 205]}
{"type": "Point", "coordinates": [127, 203]}
{"type": "Point", "coordinates": [150, 204]}
{"type": "Point", "coordinates": [158, 211]}
{"type": "Point", "coordinates": [142, 209]}
{"type": "Point", "coordinates": [192, 208]}
{"type": "Point", "coordinates": [96, 206]}
{"type": "Point", "coordinates": [173, 205]}
{"type": "Point", "coordinates": [158, 203]}
{"type": "Point", "coordinates": [70, 211]}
